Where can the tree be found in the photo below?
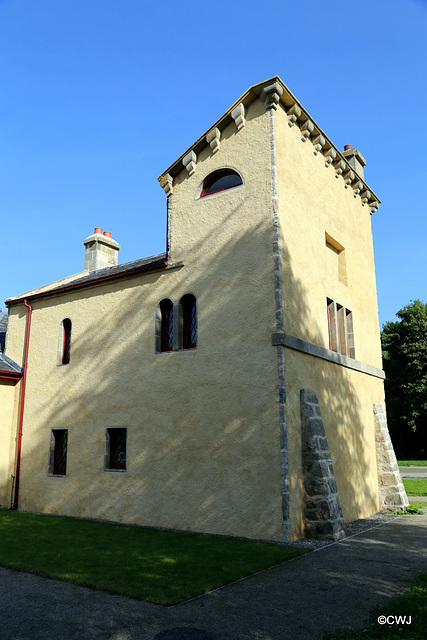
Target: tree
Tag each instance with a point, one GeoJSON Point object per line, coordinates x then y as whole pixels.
{"type": "Point", "coordinates": [404, 345]}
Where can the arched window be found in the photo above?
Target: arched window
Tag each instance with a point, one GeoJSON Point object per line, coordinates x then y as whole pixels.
{"type": "Point", "coordinates": [166, 325]}
{"type": "Point", "coordinates": [220, 180]}
{"type": "Point", "coordinates": [64, 342]}
{"type": "Point", "coordinates": [189, 321]}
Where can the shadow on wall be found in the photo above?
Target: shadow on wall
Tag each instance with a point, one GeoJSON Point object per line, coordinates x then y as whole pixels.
{"type": "Point", "coordinates": [178, 444]}
{"type": "Point", "coordinates": [348, 423]}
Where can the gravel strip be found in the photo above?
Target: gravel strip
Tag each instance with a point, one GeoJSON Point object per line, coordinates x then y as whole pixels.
{"type": "Point", "coordinates": [351, 529]}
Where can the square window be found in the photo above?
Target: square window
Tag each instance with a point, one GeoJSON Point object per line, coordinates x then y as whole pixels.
{"type": "Point", "coordinates": [115, 449]}
{"type": "Point", "coordinates": [58, 449]}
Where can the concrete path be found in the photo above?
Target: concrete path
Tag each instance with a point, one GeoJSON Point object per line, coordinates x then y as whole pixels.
{"type": "Point", "coordinates": [413, 472]}
{"type": "Point", "coordinates": [334, 587]}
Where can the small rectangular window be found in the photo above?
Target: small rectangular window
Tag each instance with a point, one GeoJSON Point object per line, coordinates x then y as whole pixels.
{"type": "Point", "coordinates": [58, 450]}
{"type": "Point", "coordinates": [115, 449]}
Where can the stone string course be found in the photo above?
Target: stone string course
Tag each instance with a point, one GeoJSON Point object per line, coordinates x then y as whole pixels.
{"type": "Point", "coordinates": [322, 507]}
{"type": "Point", "coordinates": [391, 492]}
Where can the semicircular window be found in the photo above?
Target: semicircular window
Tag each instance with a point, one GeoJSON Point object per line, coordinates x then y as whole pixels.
{"type": "Point", "coordinates": [220, 180]}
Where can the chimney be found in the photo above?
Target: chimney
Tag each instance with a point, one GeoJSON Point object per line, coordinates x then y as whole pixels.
{"type": "Point", "coordinates": [100, 250]}
{"type": "Point", "coordinates": [355, 160]}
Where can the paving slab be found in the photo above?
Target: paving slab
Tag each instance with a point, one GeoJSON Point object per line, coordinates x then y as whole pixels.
{"type": "Point", "coordinates": [334, 587]}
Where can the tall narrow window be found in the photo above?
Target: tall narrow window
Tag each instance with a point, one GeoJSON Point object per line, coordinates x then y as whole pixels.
{"type": "Point", "coordinates": [115, 449]}
{"type": "Point", "coordinates": [189, 321]}
{"type": "Point", "coordinates": [166, 327]}
{"type": "Point", "coordinates": [58, 452]}
{"type": "Point", "coordinates": [340, 327]}
{"type": "Point", "coordinates": [332, 326]}
{"type": "Point", "coordinates": [64, 342]}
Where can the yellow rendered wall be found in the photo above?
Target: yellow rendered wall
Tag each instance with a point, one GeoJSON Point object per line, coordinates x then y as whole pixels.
{"type": "Point", "coordinates": [203, 435]}
{"type": "Point", "coordinates": [312, 203]}
{"type": "Point", "coordinates": [9, 397]}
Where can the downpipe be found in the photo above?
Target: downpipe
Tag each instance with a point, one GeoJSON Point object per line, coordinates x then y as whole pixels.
{"type": "Point", "coordinates": [21, 411]}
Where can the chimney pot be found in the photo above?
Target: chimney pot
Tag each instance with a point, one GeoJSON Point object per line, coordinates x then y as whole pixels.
{"type": "Point", "coordinates": [100, 250]}
{"type": "Point", "coordinates": [355, 160]}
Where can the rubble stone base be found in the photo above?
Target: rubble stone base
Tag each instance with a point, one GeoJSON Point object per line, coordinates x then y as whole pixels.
{"type": "Point", "coordinates": [391, 492]}
{"type": "Point", "coordinates": [323, 514]}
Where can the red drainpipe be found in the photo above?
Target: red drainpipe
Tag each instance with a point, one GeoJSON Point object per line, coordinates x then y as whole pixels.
{"type": "Point", "coordinates": [21, 413]}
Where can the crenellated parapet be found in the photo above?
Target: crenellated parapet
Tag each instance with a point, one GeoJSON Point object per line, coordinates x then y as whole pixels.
{"type": "Point", "coordinates": [348, 165]}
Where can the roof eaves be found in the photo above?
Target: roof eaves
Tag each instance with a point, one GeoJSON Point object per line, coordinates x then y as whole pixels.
{"type": "Point", "coordinates": [287, 100]}
{"type": "Point", "coordinates": [102, 276]}
{"type": "Point", "coordinates": [8, 366]}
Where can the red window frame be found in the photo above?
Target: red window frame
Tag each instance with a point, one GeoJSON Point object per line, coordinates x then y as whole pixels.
{"type": "Point", "coordinates": [214, 177]}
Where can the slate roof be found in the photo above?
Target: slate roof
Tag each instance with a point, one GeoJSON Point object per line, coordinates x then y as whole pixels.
{"type": "Point", "coordinates": [3, 331]}
{"type": "Point", "coordinates": [84, 279]}
{"type": "Point", "coordinates": [8, 365]}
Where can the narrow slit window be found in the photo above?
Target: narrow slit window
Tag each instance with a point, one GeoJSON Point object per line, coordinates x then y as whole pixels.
{"type": "Point", "coordinates": [64, 342]}
{"type": "Point", "coordinates": [166, 325]}
{"type": "Point", "coordinates": [189, 321]}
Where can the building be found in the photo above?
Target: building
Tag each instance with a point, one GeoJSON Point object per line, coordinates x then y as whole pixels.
{"type": "Point", "coordinates": [233, 384]}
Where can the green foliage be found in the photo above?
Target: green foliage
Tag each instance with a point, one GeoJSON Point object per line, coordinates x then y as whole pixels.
{"type": "Point", "coordinates": [409, 511]}
{"type": "Point", "coordinates": [412, 463]}
{"type": "Point", "coordinates": [404, 345]}
{"type": "Point", "coordinates": [165, 567]}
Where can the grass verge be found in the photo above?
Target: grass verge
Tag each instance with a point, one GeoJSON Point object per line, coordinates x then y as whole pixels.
{"type": "Point", "coordinates": [412, 603]}
{"type": "Point", "coordinates": [412, 463]}
{"type": "Point", "coordinates": [419, 504]}
{"type": "Point", "coordinates": [164, 567]}
{"type": "Point", "coordinates": [415, 486]}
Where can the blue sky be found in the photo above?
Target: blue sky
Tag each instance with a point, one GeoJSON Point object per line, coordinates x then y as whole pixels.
{"type": "Point", "coordinates": [100, 97]}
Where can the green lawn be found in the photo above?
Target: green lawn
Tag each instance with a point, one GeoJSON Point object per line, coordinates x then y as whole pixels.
{"type": "Point", "coordinates": [412, 602]}
{"type": "Point", "coordinates": [415, 486]}
{"type": "Point", "coordinates": [412, 463]}
{"type": "Point", "coordinates": [419, 504]}
{"type": "Point", "coordinates": [164, 567]}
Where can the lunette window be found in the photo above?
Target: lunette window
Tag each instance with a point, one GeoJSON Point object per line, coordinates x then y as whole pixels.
{"type": "Point", "coordinates": [115, 449]}
{"type": "Point", "coordinates": [340, 327]}
{"type": "Point", "coordinates": [58, 450]}
{"type": "Point", "coordinates": [220, 180]}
